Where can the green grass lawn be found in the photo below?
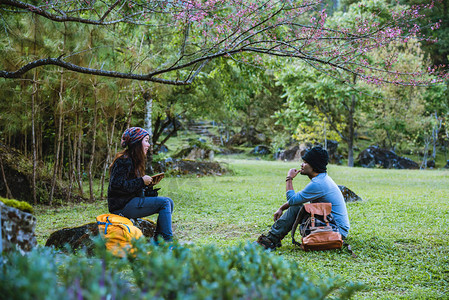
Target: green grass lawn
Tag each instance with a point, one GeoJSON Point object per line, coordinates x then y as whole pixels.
{"type": "Point", "coordinates": [399, 231]}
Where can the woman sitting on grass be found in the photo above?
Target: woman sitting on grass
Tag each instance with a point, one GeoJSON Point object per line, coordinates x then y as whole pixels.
{"type": "Point", "coordinates": [127, 181]}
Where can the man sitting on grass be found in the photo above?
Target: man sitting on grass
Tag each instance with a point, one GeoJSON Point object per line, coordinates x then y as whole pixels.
{"type": "Point", "coordinates": [321, 188]}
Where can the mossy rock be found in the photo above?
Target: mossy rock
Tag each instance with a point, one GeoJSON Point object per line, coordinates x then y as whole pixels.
{"type": "Point", "coordinates": [82, 237]}
{"type": "Point", "coordinates": [21, 205]}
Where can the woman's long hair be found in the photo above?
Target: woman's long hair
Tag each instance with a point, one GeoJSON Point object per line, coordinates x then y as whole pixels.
{"type": "Point", "coordinates": [135, 151]}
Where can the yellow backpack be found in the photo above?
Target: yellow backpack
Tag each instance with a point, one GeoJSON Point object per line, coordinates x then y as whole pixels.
{"type": "Point", "coordinates": [118, 232]}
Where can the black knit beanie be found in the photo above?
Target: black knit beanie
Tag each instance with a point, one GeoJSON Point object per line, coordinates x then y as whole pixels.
{"type": "Point", "coordinates": [317, 158]}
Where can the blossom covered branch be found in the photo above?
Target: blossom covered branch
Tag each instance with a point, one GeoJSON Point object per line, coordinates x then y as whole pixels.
{"type": "Point", "coordinates": [205, 30]}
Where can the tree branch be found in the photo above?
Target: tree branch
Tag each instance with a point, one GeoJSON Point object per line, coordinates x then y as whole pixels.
{"type": "Point", "coordinates": [65, 18]}
{"type": "Point", "coordinates": [259, 30]}
{"type": "Point", "coordinates": [109, 10]}
{"type": "Point", "coordinates": [79, 69]}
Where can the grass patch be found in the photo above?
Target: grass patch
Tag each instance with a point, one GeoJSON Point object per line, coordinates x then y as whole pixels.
{"type": "Point", "coordinates": [399, 231]}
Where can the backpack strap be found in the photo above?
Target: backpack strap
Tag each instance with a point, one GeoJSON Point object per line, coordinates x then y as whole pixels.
{"type": "Point", "coordinates": [109, 223]}
{"type": "Point", "coordinates": [295, 225]}
{"type": "Point", "coordinates": [326, 220]}
{"type": "Point", "coordinates": [106, 225]}
{"type": "Point", "coordinates": [349, 249]}
{"type": "Point", "coordinates": [312, 219]}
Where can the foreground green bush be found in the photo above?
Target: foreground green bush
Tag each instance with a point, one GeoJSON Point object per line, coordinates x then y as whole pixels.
{"type": "Point", "coordinates": [164, 272]}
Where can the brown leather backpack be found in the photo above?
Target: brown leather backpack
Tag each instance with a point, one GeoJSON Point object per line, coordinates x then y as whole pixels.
{"type": "Point", "coordinates": [317, 227]}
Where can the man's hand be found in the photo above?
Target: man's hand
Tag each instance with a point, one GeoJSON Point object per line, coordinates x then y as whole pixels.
{"type": "Point", "coordinates": [277, 214]}
{"type": "Point", "coordinates": [292, 173]}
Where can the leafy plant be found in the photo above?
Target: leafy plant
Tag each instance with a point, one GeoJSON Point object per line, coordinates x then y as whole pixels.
{"type": "Point", "coordinates": [46, 274]}
{"type": "Point", "coordinates": [167, 271]}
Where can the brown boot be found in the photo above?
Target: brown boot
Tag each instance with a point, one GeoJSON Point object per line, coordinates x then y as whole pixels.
{"type": "Point", "coordinates": [267, 243]}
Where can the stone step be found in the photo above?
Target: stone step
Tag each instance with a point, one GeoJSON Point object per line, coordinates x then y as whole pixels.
{"type": "Point", "coordinates": [202, 128]}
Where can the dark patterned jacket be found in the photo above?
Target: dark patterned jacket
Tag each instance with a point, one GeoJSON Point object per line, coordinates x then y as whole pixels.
{"type": "Point", "coordinates": [123, 184]}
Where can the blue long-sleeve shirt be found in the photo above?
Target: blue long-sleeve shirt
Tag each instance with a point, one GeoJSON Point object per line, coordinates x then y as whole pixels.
{"type": "Point", "coordinates": [323, 189]}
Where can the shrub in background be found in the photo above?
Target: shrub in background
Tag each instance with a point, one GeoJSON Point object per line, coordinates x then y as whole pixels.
{"type": "Point", "coordinates": [167, 271]}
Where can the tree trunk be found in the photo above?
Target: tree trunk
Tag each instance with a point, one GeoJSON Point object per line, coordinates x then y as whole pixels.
{"type": "Point", "coordinates": [78, 155]}
{"type": "Point", "coordinates": [58, 139]}
{"type": "Point", "coordinates": [148, 115]}
{"type": "Point", "coordinates": [8, 191]}
{"type": "Point", "coordinates": [33, 122]}
{"type": "Point", "coordinates": [350, 138]}
{"type": "Point", "coordinates": [160, 126]}
{"type": "Point", "coordinates": [149, 127]}
{"type": "Point", "coordinates": [435, 131]}
{"type": "Point", "coordinates": [74, 152]}
{"type": "Point", "coordinates": [33, 136]}
{"type": "Point", "coordinates": [61, 159]}
{"type": "Point", "coordinates": [426, 150]}
{"type": "Point", "coordinates": [351, 133]}
{"type": "Point", "coordinates": [325, 134]}
{"type": "Point", "coordinates": [71, 175]}
{"type": "Point", "coordinates": [25, 138]}
{"type": "Point", "coordinates": [94, 139]}
{"type": "Point", "coordinates": [173, 132]}
{"type": "Point", "coordinates": [108, 154]}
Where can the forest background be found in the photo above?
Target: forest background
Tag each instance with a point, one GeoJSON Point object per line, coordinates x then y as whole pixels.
{"type": "Point", "coordinates": [68, 119]}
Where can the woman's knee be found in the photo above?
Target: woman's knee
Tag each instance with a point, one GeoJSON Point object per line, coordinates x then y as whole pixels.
{"type": "Point", "coordinates": [171, 203]}
{"type": "Point", "coordinates": [168, 203]}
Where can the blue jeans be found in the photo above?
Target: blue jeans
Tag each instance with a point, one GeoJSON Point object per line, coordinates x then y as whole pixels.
{"type": "Point", "coordinates": [285, 223]}
{"type": "Point", "coordinates": [139, 207]}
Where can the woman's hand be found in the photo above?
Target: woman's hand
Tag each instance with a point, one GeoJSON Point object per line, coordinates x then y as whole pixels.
{"type": "Point", "coordinates": [147, 179]}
